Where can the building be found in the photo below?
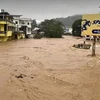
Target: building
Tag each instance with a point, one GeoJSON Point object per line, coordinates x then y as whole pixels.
{"type": "Point", "coordinates": [14, 27]}
{"type": "Point", "coordinates": [19, 33]}
{"type": "Point", "coordinates": [25, 26]}
{"type": "Point", "coordinates": [67, 30]}
{"type": "Point", "coordinates": [7, 26]}
{"type": "Point", "coordinates": [17, 21]}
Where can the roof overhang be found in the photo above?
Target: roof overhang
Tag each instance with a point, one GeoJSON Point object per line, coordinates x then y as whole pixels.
{"type": "Point", "coordinates": [17, 15]}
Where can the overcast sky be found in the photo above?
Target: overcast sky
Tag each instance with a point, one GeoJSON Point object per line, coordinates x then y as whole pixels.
{"type": "Point", "coordinates": [47, 9]}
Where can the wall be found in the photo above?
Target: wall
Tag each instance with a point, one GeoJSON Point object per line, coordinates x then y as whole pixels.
{"type": "Point", "coordinates": [9, 33]}
{"type": "Point", "coordinates": [1, 27]}
{"type": "Point", "coordinates": [26, 23]}
{"type": "Point", "coordinates": [17, 25]}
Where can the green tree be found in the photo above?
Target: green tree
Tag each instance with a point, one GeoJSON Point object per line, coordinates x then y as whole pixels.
{"type": "Point", "coordinates": [34, 24]}
{"type": "Point", "coordinates": [52, 28]}
{"type": "Point", "coordinates": [77, 28]}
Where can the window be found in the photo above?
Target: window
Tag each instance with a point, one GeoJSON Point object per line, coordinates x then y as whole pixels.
{"type": "Point", "coordinates": [29, 29]}
{"type": "Point", "coordinates": [16, 22]}
{"type": "Point", "coordinates": [8, 28]}
{"type": "Point", "coordinates": [5, 28]}
{"type": "Point", "coordinates": [28, 23]}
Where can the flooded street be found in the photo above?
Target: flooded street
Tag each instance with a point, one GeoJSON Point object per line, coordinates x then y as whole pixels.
{"type": "Point", "coordinates": [48, 69]}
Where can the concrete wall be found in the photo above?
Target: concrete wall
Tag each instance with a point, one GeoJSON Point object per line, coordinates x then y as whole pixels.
{"type": "Point", "coordinates": [1, 27]}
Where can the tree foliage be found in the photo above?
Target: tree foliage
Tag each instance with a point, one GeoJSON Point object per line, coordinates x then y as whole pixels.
{"type": "Point", "coordinates": [77, 28]}
{"type": "Point", "coordinates": [34, 24]}
{"type": "Point", "coordinates": [52, 28]}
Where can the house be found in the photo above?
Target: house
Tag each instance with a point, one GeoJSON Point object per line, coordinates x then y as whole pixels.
{"type": "Point", "coordinates": [25, 26]}
{"type": "Point", "coordinates": [19, 34]}
{"type": "Point", "coordinates": [7, 26]}
{"type": "Point", "coordinates": [67, 30]}
{"type": "Point", "coordinates": [37, 30]}
{"type": "Point", "coordinates": [17, 21]}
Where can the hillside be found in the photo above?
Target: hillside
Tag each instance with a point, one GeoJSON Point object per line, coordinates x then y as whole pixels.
{"type": "Point", "coordinates": [69, 20]}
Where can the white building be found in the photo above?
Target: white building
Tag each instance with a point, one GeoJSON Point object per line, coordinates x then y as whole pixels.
{"type": "Point", "coordinates": [17, 21]}
{"type": "Point", "coordinates": [23, 24]}
{"type": "Point", "coordinates": [67, 30]}
{"type": "Point", "coordinates": [26, 22]}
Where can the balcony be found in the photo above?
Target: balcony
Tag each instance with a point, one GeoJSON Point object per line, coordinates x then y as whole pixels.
{"type": "Point", "coordinates": [7, 20]}
{"type": "Point", "coordinates": [2, 32]}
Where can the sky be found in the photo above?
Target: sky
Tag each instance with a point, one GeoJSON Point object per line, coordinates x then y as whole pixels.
{"type": "Point", "coordinates": [48, 9]}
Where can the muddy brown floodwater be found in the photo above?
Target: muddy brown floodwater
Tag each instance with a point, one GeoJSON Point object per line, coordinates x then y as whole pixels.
{"type": "Point", "coordinates": [48, 69]}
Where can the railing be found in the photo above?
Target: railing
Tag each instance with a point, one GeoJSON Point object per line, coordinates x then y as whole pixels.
{"type": "Point", "coordinates": [6, 20]}
{"type": "Point", "coordinates": [2, 32]}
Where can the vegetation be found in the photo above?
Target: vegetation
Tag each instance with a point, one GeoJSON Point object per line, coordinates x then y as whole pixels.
{"type": "Point", "coordinates": [52, 28]}
{"type": "Point", "coordinates": [37, 36]}
{"type": "Point", "coordinates": [77, 28]}
{"type": "Point", "coordinates": [68, 21]}
{"type": "Point", "coordinates": [34, 24]}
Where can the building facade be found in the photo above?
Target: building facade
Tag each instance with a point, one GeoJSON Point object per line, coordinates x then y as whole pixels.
{"type": "Point", "coordinates": [23, 25]}
{"type": "Point", "coordinates": [7, 26]}
{"type": "Point", "coordinates": [17, 21]}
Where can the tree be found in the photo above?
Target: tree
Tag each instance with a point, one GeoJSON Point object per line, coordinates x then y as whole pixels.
{"type": "Point", "coordinates": [52, 28]}
{"type": "Point", "coordinates": [34, 24]}
{"type": "Point", "coordinates": [77, 28]}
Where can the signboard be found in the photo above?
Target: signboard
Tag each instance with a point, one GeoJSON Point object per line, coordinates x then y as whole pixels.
{"type": "Point", "coordinates": [91, 24]}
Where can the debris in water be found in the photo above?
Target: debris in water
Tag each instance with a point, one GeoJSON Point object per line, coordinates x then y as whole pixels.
{"type": "Point", "coordinates": [26, 58]}
{"type": "Point", "coordinates": [32, 77]}
{"type": "Point", "coordinates": [82, 46]}
{"type": "Point", "coordinates": [21, 76]}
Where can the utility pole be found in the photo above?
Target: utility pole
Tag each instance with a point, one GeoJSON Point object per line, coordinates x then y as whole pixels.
{"type": "Point", "coordinates": [94, 46]}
